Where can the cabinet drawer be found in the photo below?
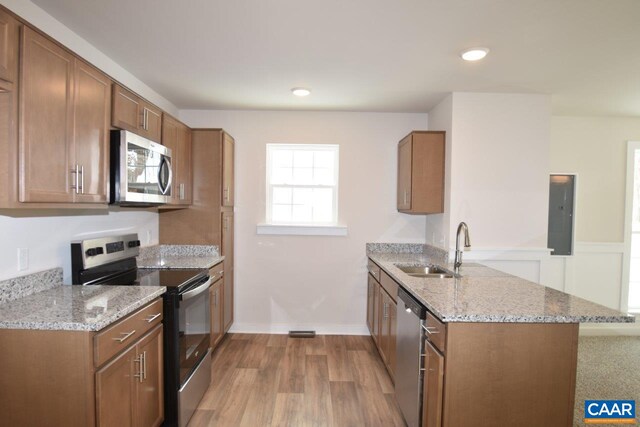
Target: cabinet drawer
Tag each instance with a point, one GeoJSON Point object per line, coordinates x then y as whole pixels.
{"type": "Point", "coordinates": [216, 272]}
{"type": "Point", "coordinates": [389, 285]}
{"type": "Point", "coordinates": [117, 337]}
{"type": "Point", "coordinates": [436, 331]}
{"type": "Point", "coordinates": [373, 269]}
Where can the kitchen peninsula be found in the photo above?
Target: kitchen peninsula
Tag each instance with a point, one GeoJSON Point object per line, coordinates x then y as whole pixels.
{"type": "Point", "coordinates": [498, 349]}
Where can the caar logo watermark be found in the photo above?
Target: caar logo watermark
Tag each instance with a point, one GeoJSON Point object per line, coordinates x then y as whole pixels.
{"type": "Point", "coordinates": [610, 411]}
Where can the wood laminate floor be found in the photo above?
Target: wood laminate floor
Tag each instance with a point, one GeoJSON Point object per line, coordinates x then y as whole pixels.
{"type": "Point", "coordinates": [274, 380]}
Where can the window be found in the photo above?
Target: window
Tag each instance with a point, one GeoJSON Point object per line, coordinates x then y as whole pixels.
{"type": "Point", "coordinates": [302, 184]}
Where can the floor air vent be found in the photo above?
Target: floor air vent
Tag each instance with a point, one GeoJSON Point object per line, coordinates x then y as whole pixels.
{"type": "Point", "coordinates": [302, 334]}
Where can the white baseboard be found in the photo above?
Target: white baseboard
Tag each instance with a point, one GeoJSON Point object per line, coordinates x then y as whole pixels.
{"type": "Point", "coordinates": [609, 329]}
{"type": "Point", "coordinates": [284, 328]}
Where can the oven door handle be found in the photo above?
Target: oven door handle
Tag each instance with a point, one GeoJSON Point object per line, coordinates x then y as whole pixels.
{"type": "Point", "coordinates": [195, 292]}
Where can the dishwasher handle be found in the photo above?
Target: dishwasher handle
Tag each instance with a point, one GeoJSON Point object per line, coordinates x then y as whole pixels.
{"type": "Point", "coordinates": [410, 304]}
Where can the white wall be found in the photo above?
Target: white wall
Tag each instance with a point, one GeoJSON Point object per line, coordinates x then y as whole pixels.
{"type": "Point", "coordinates": [500, 166]}
{"type": "Point", "coordinates": [313, 282]}
{"type": "Point", "coordinates": [441, 118]}
{"type": "Point", "coordinates": [594, 148]}
{"type": "Point", "coordinates": [47, 235]}
{"type": "Point", "coordinates": [46, 23]}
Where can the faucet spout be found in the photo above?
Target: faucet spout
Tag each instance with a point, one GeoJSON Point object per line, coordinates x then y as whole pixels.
{"type": "Point", "coordinates": [462, 227]}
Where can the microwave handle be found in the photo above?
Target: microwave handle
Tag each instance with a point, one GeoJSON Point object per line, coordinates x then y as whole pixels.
{"type": "Point", "coordinates": [165, 163]}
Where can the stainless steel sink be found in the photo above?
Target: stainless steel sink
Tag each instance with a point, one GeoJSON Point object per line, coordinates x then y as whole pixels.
{"type": "Point", "coordinates": [430, 271]}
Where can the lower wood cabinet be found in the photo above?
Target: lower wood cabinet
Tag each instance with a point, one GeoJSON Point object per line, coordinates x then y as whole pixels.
{"type": "Point", "coordinates": [129, 388]}
{"type": "Point", "coordinates": [217, 303]}
{"type": "Point", "coordinates": [77, 378]}
{"type": "Point", "coordinates": [381, 320]}
{"type": "Point", "coordinates": [499, 374]}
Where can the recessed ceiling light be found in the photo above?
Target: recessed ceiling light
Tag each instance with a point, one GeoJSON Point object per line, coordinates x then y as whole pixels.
{"type": "Point", "coordinates": [474, 54]}
{"type": "Point", "coordinates": [300, 91]}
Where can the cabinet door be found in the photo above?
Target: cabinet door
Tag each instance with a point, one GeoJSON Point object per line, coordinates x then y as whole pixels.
{"type": "Point", "coordinates": [228, 146]}
{"type": "Point", "coordinates": [404, 173]}
{"type": "Point", "coordinates": [177, 137]}
{"type": "Point", "coordinates": [216, 295]}
{"type": "Point", "coordinates": [115, 391]}
{"type": "Point", "coordinates": [384, 325]}
{"type": "Point", "coordinates": [91, 106]}
{"type": "Point", "coordinates": [151, 122]}
{"type": "Point", "coordinates": [9, 28]}
{"type": "Point", "coordinates": [227, 251]}
{"type": "Point", "coordinates": [432, 387]}
{"type": "Point", "coordinates": [150, 397]}
{"type": "Point", "coordinates": [392, 312]}
{"type": "Point", "coordinates": [170, 140]}
{"type": "Point", "coordinates": [47, 167]}
{"type": "Point", "coordinates": [371, 286]}
{"type": "Point", "coordinates": [183, 189]}
{"type": "Point", "coordinates": [126, 109]}
{"type": "Point", "coordinates": [377, 311]}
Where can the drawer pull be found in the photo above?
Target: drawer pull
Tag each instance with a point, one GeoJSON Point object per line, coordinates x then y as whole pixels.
{"type": "Point", "coordinates": [153, 317]}
{"type": "Point", "coordinates": [126, 335]}
{"type": "Point", "coordinates": [430, 330]}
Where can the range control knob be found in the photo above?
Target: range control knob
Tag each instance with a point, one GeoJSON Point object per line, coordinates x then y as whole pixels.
{"type": "Point", "coordinates": [94, 251]}
{"type": "Point", "coordinates": [134, 243]}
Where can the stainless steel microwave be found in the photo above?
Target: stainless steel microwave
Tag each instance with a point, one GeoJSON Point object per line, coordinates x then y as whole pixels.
{"type": "Point", "coordinates": [140, 170]}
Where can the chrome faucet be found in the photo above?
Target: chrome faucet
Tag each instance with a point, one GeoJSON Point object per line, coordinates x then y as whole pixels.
{"type": "Point", "coordinates": [467, 244]}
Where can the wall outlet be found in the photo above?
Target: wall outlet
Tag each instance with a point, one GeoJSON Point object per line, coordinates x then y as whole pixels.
{"type": "Point", "coordinates": [148, 237]}
{"type": "Point", "coordinates": [23, 259]}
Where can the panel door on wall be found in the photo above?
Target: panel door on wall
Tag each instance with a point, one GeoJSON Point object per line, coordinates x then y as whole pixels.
{"type": "Point", "coordinates": [47, 169]}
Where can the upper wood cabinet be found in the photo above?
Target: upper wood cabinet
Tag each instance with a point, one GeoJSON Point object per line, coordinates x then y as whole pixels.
{"type": "Point", "coordinates": [228, 154]}
{"type": "Point", "coordinates": [9, 29]}
{"type": "Point", "coordinates": [63, 126]}
{"type": "Point", "coordinates": [132, 113]}
{"type": "Point", "coordinates": [177, 137]}
{"type": "Point", "coordinates": [421, 163]}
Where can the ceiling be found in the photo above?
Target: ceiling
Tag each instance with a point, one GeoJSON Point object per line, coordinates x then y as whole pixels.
{"type": "Point", "coordinates": [368, 55]}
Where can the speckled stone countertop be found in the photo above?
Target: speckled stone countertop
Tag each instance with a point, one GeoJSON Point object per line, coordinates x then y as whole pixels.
{"type": "Point", "coordinates": [179, 256]}
{"type": "Point", "coordinates": [76, 308]}
{"type": "Point", "coordinates": [483, 294]}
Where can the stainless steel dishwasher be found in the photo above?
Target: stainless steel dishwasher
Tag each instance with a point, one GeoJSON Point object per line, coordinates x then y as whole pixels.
{"type": "Point", "coordinates": [409, 348]}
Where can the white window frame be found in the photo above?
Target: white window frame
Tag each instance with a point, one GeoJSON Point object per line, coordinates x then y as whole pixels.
{"type": "Point", "coordinates": [302, 228]}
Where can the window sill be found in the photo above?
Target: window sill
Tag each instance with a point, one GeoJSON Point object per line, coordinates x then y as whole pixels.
{"type": "Point", "coordinates": [301, 230]}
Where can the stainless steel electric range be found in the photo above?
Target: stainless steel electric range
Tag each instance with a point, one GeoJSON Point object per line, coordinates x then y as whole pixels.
{"type": "Point", "coordinates": [187, 367]}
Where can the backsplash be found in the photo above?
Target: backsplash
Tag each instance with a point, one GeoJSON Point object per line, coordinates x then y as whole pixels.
{"type": "Point", "coordinates": [178, 250]}
{"type": "Point", "coordinates": [23, 286]}
{"type": "Point", "coordinates": [437, 255]}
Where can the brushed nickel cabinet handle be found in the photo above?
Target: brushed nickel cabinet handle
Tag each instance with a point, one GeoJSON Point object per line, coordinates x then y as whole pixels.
{"type": "Point", "coordinates": [430, 330]}
{"type": "Point", "coordinates": [74, 185]}
{"type": "Point", "coordinates": [144, 364]}
{"type": "Point", "coordinates": [140, 374]}
{"type": "Point", "coordinates": [81, 179]}
{"type": "Point", "coordinates": [153, 317]}
{"type": "Point", "coordinates": [125, 336]}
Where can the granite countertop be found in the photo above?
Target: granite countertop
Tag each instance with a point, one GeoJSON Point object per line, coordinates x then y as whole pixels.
{"type": "Point", "coordinates": [76, 308]}
{"type": "Point", "coordinates": [483, 294]}
{"type": "Point", "coordinates": [179, 256]}
{"type": "Point", "coordinates": [180, 262]}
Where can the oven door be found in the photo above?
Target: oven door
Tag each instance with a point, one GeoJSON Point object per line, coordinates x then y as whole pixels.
{"type": "Point", "coordinates": [194, 327]}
